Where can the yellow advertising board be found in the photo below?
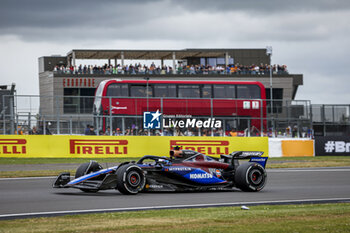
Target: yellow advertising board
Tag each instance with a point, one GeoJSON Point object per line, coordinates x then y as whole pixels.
{"type": "Point", "coordinates": [68, 146]}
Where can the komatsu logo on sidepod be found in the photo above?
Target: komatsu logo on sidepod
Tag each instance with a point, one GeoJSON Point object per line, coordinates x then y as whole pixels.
{"type": "Point", "coordinates": [201, 176]}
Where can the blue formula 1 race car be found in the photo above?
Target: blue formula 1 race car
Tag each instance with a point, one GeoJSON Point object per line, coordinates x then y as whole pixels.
{"type": "Point", "coordinates": [185, 170]}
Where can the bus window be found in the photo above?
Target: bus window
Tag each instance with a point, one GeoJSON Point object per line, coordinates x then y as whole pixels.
{"type": "Point", "coordinates": [248, 92]}
{"type": "Point", "coordinates": [116, 89]}
{"type": "Point", "coordinates": [224, 91]}
{"type": "Point", "coordinates": [189, 91]}
{"type": "Point", "coordinates": [164, 90]}
{"type": "Point", "coordinates": [206, 91]}
{"type": "Point", "coordinates": [140, 91]}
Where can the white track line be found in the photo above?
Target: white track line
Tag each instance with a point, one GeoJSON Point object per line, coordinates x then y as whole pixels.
{"type": "Point", "coordinates": [29, 178]}
{"type": "Point", "coordinates": [310, 170]}
{"type": "Point", "coordinates": [33, 214]}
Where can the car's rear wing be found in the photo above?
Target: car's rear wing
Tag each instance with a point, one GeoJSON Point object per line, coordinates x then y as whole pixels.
{"type": "Point", "coordinates": [253, 156]}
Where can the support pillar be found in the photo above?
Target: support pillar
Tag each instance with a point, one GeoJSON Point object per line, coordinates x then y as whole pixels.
{"type": "Point", "coordinates": [226, 59]}
{"type": "Point", "coordinates": [73, 59]}
{"type": "Point", "coordinates": [122, 58]}
{"type": "Point", "coordinates": [174, 63]}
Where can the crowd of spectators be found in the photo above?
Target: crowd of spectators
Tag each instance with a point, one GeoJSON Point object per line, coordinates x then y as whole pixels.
{"type": "Point", "coordinates": [295, 132]}
{"type": "Point", "coordinates": [262, 69]}
{"type": "Point", "coordinates": [35, 130]}
{"type": "Point", "coordinates": [303, 132]}
{"type": "Point", "coordinates": [135, 131]}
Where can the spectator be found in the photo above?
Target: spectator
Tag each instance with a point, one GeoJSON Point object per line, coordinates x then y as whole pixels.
{"type": "Point", "coordinates": [91, 130]}
{"type": "Point", "coordinates": [33, 131]}
{"type": "Point", "coordinates": [233, 133]}
{"type": "Point", "coordinates": [87, 129]}
{"type": "Point", "coordinates": [118, 132]}
{"type": "Point", "coordinates": [108, 131]}
{"type": "Point", "coordinates": [44, 130]}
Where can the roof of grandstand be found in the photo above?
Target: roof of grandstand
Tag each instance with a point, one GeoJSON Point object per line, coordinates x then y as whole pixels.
{"type": "Point", "coordinates": [152, 54]}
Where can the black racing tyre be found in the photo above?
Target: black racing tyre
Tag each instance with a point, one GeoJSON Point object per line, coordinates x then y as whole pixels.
{"type": "Point", "coordinates": [250, 177]}
{"type": "Point", "coordinates": [87, 168]}
{"type": "Point", "coordinates": [130, 179]}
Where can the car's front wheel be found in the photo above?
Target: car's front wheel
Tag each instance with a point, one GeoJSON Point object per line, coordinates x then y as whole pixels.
{"type": "Point", "coordinates": [85, 169]}
{"type": "Point", "coordinates": [250, 177]}
{"type": "Point", "coordinates": [130, 179]}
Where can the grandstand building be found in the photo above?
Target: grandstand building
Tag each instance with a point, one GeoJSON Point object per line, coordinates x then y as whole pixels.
{"type": "Point", "coordinates": [74, 86]}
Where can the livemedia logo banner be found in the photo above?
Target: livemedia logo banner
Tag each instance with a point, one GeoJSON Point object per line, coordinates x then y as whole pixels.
{"type": "Point", "coordinates": [155, 120]}
{"type": "Point", "coordinates": [332, 145]}
{"type": "Point", "coordinates": [152, 120]}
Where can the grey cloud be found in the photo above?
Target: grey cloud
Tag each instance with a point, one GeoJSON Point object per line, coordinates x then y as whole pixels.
{"type": "Point", "coordinates": [55, 14]}
{"type": "Point", "coordinates": [264, 7]}
{"type": "Point", "coordinates": [16, 14]}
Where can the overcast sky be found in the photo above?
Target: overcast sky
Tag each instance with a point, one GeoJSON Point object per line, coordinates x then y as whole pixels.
{"type": "Point", "coordinates": [310, 36]}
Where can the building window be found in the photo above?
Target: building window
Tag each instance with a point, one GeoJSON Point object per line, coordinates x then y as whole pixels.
{"type": "Point", "coordinates": [224, 91]}
{"type": "Point", "coordinates": [119, 90]}
{"type": "Point", "coordinates": [206, 91]}
{"type": "Point", "coordinates": [248, 92]}
{"type": "Point", "coordinates": [78, 100]}
{"type": "Point", "coordinates": [277, 94]}
{"type": "Point", "coordinates": [140, 91]}
{"type": "Point", "coordinates": [212, 61]}
{"type": "Point", "coordinates": [189, 91]}
{"type": "Point", "coordinates": [164, 90]}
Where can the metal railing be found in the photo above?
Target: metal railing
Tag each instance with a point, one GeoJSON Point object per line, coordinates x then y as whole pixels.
{"type": "Point", "coordinates": [31, 114]}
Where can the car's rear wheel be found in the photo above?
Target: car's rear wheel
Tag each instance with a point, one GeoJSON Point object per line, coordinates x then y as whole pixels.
{"type": "Point", "coordinates": [130, 179]}
{"type": "Point", "coordinates": [85, 169]}
{"type": "Point", "coordinates": [250, 177]}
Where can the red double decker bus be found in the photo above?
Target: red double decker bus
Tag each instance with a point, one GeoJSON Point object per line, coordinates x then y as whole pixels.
{"type": "Point", "coordinates": [121, 103]}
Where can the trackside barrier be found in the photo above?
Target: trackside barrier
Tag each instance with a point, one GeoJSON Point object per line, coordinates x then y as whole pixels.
{"type": "Point", "coordinates": [332, 146]}
{"type": "Point", "coordinates": [67, 146]}
{"type": "Point", "coordinates": [291, 147]}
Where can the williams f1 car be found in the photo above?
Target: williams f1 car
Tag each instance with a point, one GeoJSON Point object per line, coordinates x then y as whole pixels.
{"type": "Point", "coordinates": [185, 170]}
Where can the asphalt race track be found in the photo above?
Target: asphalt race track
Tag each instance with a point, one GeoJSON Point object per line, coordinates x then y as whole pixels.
{"type": "Point", "coordinates": [33, 197]}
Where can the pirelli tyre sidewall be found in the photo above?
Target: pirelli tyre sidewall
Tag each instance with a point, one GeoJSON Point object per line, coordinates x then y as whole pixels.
{"type": "Point", "coordinates": [250, 177]}
{"type": "Point", "coordinates": [130, 179]}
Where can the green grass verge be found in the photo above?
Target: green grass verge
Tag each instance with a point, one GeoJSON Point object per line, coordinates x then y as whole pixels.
{"type": "Point", "coordinates": [300, 162]}
{"type": "Point", "coordinates": [38, 173]}
{"type": "Point", "coordinates": [276, 218]}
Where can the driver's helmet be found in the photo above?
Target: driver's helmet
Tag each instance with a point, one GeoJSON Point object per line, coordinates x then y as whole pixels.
{"type": "Point", "coordinates": [176, 153]}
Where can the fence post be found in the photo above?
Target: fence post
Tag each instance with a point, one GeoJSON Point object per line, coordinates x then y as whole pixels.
{"type": "Point", "coordinates": [58, 115]}
{"type": "Point", "coordinates": [11, 116]}
{"type": "Point", "coordinates": [161, 109]}
{"type": "Point", "coordinates": [248, 127]}
{"type": "Point", "coordinates": [98, 123]}
{"type": "Point", "coordinates": [29, 121]}
{"type": "Point", "coordinates": [123, 125]}
{"type": "Point", "coordinates": [44, 126]}
{"type": "Point", "coordinates": [262, 119]}
{"type": "Point", "coordinates": [3, 111]}
{"type": "Point", "coordinates": [110, 116]}
{"type": "Point", "coordinates": [70, 125]}
{"type": "Point", "coordinates": [323, 114]}
{"type": "Point", "coordinates": [211, 113]}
